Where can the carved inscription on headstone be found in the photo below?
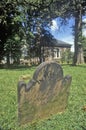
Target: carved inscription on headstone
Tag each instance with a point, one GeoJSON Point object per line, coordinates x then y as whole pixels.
{"type": "Point", "coordinates": [44, 95]}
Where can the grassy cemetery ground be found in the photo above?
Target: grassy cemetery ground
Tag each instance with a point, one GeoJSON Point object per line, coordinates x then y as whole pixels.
{"type": "Point", "coordinates": [74, 118]}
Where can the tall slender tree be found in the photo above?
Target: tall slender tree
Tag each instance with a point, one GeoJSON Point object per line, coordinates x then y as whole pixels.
{"type": "Point", "coordinates": [75, 9]}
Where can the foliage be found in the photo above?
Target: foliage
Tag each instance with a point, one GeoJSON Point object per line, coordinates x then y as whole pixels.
{"type": "Point", "coordinates": [74, 118]}
{"type": "Point", "coordinates": [83, 42]}
{"type": "Point", "coordinates": [19, 17]}
{"type": "Point", "coordinates": [26, 17]}
{"type": "Point", "coordinates": [67, 56]}
{"type": "Point", "coordinates": [10, 21]}
{"type": "Point", "coordinates": [12, 49]}
{"type": "Point", "coordinates": [76, 8]}
{"type": "Point", "coordinates": [81, 10]}
{"type": "Point", "coordinates": [37, 10]}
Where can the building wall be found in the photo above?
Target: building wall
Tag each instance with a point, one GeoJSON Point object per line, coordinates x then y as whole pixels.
{"type": "Point", "coordinates": [52, 53]}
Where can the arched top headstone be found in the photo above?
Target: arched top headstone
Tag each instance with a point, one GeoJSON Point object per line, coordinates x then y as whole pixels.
{"type": "Point", "coordinates": [45, 94]}
{"type": "Point", "coordinates": [46, 73]}
{"type": "Point", "coordinates": [49, 69]}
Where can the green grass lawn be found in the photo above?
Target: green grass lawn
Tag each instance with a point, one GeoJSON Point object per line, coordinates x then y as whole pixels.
{"type": "Point", "coordinates": [74, 118]}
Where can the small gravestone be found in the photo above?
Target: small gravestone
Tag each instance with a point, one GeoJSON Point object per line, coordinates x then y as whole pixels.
{"type": "Point", "coordinates": [44, 95]}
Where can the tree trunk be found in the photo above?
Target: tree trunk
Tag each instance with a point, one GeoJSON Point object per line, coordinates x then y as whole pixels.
{"type": "Point", "coordinates": [80, 58]}
{"type": "Point", "coordinates": [78, 33]}
{"type": "Point", "coordinates": [76, 40]}
{"type": "Point", "coordinates": [8, 59]}
{"type": "Point", "coordinates": [39, 41]}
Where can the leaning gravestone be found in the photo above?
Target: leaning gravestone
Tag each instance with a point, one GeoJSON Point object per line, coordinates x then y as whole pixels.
{"type": "Point", "coordinates": [45, 94]}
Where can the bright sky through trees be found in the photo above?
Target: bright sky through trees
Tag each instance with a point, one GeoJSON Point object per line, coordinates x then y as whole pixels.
{"type": "Point", "coordinates": [84, 30]}
{"type": "Point", "coordinates": [64, 32]}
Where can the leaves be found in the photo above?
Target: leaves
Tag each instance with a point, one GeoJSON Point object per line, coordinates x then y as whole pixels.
{"type": "Point", "coordinates": [28, 15]}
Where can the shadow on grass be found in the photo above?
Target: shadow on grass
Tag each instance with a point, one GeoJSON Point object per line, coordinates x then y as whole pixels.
{"type": "Point", "coordinates": [17, 67]}
{"type": "Point", "coordinates": [23, 67]}
{"type": "Point", "coordinates": [83, 128]}
{"type": "Point", "coordinates": [1, 128]}
{"type": "Point", "coordinates": [78, 65]}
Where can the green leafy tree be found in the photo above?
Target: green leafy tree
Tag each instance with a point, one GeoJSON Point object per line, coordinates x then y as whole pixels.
{"type": "Point", "coordinates": [25, 17]}
{"type": "Point", "coordinates": [83, 43]}
{"type": "Point", "coordinates": [67, 56]}
{"type": "Point", "coordinates": [10, 21]}
{"type": "Point", "coordinates": [12, 49]}
{"type": "Point", "coordinates": [18, 17]}
{"type": "Point", "coordinates": [76, 8]}
{"type": "Point", "coordinates": [67, 9]}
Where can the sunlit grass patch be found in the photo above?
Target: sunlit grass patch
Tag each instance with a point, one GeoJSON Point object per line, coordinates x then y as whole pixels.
{"type": "Point", "coordinates": [74, 118]}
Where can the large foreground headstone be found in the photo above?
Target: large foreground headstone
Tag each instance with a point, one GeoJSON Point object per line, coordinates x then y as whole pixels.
{"type": "Point", "coordinates": [45, 94]}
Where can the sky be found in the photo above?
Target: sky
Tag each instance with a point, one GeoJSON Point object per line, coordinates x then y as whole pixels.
{"type": "Point", "coordinates": [64, 33]}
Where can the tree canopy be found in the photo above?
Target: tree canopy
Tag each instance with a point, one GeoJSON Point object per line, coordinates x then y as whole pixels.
{"type": "Point", "coordinates": [77, 10]}
{"type": "Point", "coordinates": [9, 22]}
{"type": "Point", "coordinates": [22, 18]}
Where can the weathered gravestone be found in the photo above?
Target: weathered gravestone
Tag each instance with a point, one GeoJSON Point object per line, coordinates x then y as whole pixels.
{"type": "Point", "coordinates": [45, 94]}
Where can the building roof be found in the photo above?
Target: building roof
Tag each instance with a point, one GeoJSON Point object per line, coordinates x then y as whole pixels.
{"type": "Point", "coordinates": [54, 43]}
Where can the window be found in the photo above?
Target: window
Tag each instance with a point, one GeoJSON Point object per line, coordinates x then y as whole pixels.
{"type": "Point", "coordinates": [56, 53]}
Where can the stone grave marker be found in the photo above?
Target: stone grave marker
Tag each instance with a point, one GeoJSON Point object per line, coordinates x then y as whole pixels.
{"type": "Point", "coordinates": [44, 95]}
